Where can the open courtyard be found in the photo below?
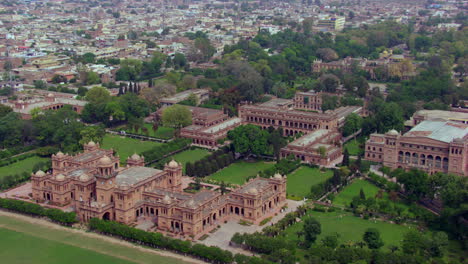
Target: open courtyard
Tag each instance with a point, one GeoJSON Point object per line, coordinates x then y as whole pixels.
{"type": "Point", "coordinates": [125, 146]}
{"type": "Point", "coordinates": [161, 132]}
{"type": "Point", "coordinates": [300, 181]}
{"type": "Point", "coordinates": [238, 172]}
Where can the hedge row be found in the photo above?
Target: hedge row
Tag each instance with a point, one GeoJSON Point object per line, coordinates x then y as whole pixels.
{"type": "Point", "coordinates": [9, 181]}
{"type": "Point", "coordinates": [156, 240]}
{"type": "Point", "coordinates": [210, 164]}
{"type": "Point", "coordinates": [154, 154]}
{"type": "Point", "coordinates": [12, 160]}
{"type": "Point", "coordinates": [56, 215]}
{"type": "Point", "coordinates": [14, 151]}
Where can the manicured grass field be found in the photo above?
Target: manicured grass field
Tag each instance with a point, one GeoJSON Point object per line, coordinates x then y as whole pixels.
{"type": "Point", "coordinates": [126, 147]}
{"type": "Point", "coordinates": [350, 228]}
{"type": "Point", "coordinates": [301, 180]}
{"type": "Point", "coordinates": [25, 242]}
{"type": "Point", "coordinates": [21, 166]}
{"type": "Point", "coordinates": [353, 147]}
{"type": "Point", "coordinates": [190, 155]}
{"type": "Point", "coordinates": [238, 172]}
{"type": "Point", "coordinates": [162, 132]}
{"type": "Point", "coordinates": [346, 195]}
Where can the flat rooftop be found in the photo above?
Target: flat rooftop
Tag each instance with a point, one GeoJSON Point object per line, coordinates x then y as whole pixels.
{"type": "Point", "coordinates": [178, 97]}
{"type": "Point", "coordinates": [223, 125]}
{"type": "Point", "coordinates": [277, 102]}
{"type": "Point", "coordinates": [258, 183]}
{"type": "Point", "coordinates": [133, 175]}
{"type": "Point", "coordinates": [445, 131]}
{"type": "Point", "coordinates": [309, 138]}
{"type": "Point", "coordinates": [447, 115]}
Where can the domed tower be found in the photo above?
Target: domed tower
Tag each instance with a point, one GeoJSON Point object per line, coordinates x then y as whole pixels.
{"type": "Point", "coordinates": [174, 174]}
{"type": "Point", "coordinates": [105, 179]}
{"type": "Point", "coordinates": [59, 162]}
{"type": "Point", "coordinates": [90, 146]}
{"type": "Point", "coordinates": [136, 160]}
{"type": "Point", "coordinates": [38, 181]}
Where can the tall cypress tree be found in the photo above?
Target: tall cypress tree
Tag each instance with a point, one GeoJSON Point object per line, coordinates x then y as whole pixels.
{"type": "Point", "coordinates": [345, 157]}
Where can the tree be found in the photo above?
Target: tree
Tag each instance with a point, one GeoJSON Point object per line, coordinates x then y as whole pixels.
{"type": "Point", "coordinates": [92, 133]}
{"type": "Point", "coordinates": [88, 58]}
{"type": "Point", "coordinates": [249, 139]}
{"type": "Point", "coordinates": [327, 54]}
{"type": "Point", "coordinates": [39, 84]}
{"type": "Point", "coordinates": [59, 79]}
{"type": "Point", "coordinates": [345, 157]}
{"type": "Point", "coordinates": [372, 238]}
{"type": "Point", "coordinates": [250, 82]}
{"type": "Point", "coordinates": [329, 82]}
{"type": "Point", "coordinates": [331, 241]}
{"type": "Point", "coordinates": [201, 50]}
{"type": "Point", "coordinates": [353, 122]}
{"type": "Point", "coordinates": [322, 151]}
{"type": "Point", "coordinates": [413, 242]}
{"type": "Point", "coordinates": [416, 184]}
{"type": "Point", "coordinates": [158, 91]}
{"type": "Point", "coordinates": [98, 95]}
{"type": "Point", "coordinates": [192, 99]}
{"type": "Point", "coordinates": [362, 195]}
{"type": "Point", "coordinates": [223, 188]}
{"type": "Point", "coordinates": [179, 61]}
{"type": "Point", "coordinates": [312, 229]}
{"type": "Point", "coordinates": [176, 116]}
{"type": "Point", "coordinates": [4, 110]}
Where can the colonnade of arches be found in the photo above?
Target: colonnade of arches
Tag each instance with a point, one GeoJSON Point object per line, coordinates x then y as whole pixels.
{"type": "Point", "coordinates": [290, 124]}
{"type": "Point", "coordinates": [204, 142]}
{"type": "Point", "coordinates": [423, 160]}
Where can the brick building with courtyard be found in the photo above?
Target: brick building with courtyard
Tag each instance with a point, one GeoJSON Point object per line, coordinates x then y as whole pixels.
{"type": "Point", "coordinates": [94, 184]}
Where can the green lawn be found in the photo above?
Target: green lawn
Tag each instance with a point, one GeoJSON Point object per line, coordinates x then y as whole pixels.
{"type": "Point", "coordinates": [353, 147]}
{"type": "Point", "coordinates": [125, 147]}
{"type": "Point", "coordinates": [162, 132]}
{"type": "Point", "coordinates": [238, 172]}
{"type": "Point", "coordinates": [19, 167]}
{"type": "Point", "coordinates": [24, 242]}
{"type": "Point", "coordinates": [350, 228]}
{"type": "Point", "coordinates": [190, 155]}
{"type": "Point", "coordinates": [301, 180]}
{"type": "Point", "coordinates": [346, 195]}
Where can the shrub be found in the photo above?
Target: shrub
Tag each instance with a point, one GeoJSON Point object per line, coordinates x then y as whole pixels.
{"type": "Point", "coordinates": [56, 215]}
{"type": "Point", "coordinates": [156, 240]}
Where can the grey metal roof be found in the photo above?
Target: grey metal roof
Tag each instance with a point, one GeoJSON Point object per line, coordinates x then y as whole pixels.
{"type": "Point", "coordinates": [134, 175]}
{"type": "Point", "coordinates": [445, 131]}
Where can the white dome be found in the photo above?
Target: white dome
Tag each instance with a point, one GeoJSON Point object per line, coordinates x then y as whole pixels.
{"type": "Point", "coordinates": [167, 199]}
{"type": "Point", "coordinates": [253, 191]}
{"type": "Point", "coordinates": [105, 161]}
{"type": "Point", "coordinates": [278, 176]}
{"type": "Point", "coordinates": [91, 144]}
{"type": "Point", "coordinates": [40, 173]}
{"type": "Point", "coordinates": [50, 95]}
{"type": "Point", "coordinates": [191, 203]}
{"type": "Point", "coordinates": [135, 157]}
{"type": "Point", "coordinates": [84, 177]}
{"type": "Point", "coordinates": [59, 154]}
{"type": "Point", "coordinates": [173, 164]}
{"type": "Point", "coordinates": [60, 177]}
{"type": "Point", "coordinates": [393, 132]}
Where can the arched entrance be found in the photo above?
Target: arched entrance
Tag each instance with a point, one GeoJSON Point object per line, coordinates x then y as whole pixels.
{"type": "Point", "coordinates": [106, 216]}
